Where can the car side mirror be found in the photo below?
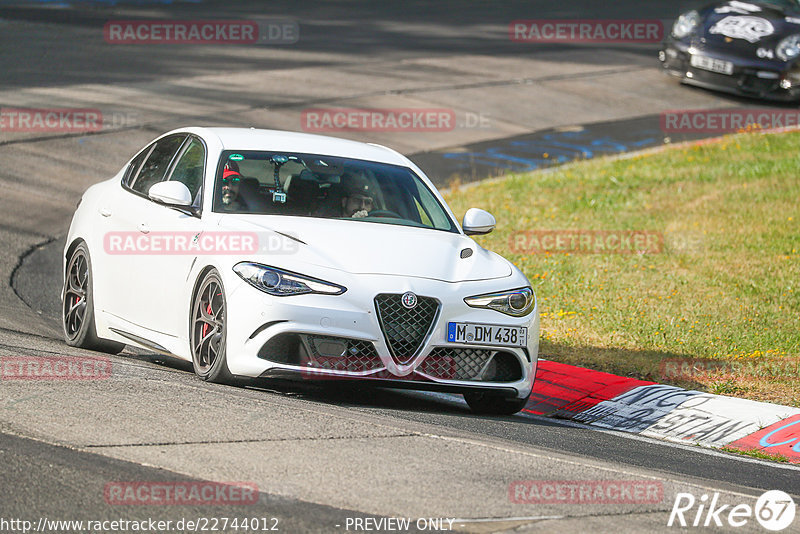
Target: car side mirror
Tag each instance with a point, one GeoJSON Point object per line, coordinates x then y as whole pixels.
{"type": "Point", "coordinates": [478, 222]}
{"type": "Point", "coordinates": [171, 193]}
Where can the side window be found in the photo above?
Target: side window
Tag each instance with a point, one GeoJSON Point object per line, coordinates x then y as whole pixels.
{"type": "Point", "coordinates": [157, 163]}
{"type": "Point", "coordinates": [426, 198]}
{"type": "Point", "coordinates": [136, 164]}
{"type": "Point", "coordinates": [423, 215]}
{"type": "Point", "coordinates": [189, 169]}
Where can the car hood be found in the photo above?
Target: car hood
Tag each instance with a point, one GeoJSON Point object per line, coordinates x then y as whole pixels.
{"type": "Point", "coordinates": [738, 26]}
{"type": "Point", "coordinates": [361, 247]}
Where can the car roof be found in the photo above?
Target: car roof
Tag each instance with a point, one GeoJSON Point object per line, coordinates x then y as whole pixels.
{"type": "Point", "coordinates": [279, 141]}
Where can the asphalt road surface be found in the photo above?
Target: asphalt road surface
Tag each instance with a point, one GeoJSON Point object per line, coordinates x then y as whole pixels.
{"type": "Point", "coordinates": [320, 456]}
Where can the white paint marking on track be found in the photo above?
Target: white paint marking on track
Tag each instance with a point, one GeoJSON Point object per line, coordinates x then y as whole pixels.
{"type": "Point", "coordinates": [708, 451]}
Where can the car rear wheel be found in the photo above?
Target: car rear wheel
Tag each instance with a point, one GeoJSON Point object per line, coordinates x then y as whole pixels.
{"type": "Point", "coordinates": [490, 403]}
{"type": "Point", "coordinates": [77, 309]}
{"type": "Point", "coordinates": [208, 336]}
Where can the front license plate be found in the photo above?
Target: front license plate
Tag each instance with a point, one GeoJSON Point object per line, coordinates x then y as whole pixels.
{"type": "Point", "coordinates": [714, 65]}
{"type": "Point", "coordinates": [487, 334]}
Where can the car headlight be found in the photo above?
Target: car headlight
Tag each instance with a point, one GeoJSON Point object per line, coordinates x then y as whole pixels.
{"type": "Point", "coordinates": [516, 302]}
{"type": "Point", "coordinates": [788, 48]}
{"type": "Point", "coordinates": [686, 24]}
{"type": "Point", "coordinates": [282, 283]}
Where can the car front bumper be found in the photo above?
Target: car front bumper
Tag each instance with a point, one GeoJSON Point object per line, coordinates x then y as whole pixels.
{"type": "Point", "coordinates": [766, 81]}
{"type": "Point", "coordinates": [301, 337]}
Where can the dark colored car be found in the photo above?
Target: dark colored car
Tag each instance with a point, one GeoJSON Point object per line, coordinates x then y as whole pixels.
{"type": "Point", "coordinates": [747, 48]}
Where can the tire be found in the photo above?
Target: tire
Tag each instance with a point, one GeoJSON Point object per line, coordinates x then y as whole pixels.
{"type": "Point", "coordinates": [490, 403]}
{"type": "Point", "coordinates": [208, 336]}
{"type": "Point", "coordinates": [77, 305]}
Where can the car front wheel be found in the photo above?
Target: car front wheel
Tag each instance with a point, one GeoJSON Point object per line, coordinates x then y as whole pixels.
{"type": "Point", "coordinates": [208, 336]}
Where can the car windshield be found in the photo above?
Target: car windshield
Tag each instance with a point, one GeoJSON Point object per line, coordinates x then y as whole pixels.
{"type": "Point", "coordinates": [329, 187]}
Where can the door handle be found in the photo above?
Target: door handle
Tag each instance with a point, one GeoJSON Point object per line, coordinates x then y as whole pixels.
{"type": "Point", "coordinates": [105, 212]}
{"type": "Point", "coordinates": [144, 228]}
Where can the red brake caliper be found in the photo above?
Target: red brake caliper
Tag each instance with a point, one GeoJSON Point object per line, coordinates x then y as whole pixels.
{"type": "Point", "coordinates": [205, 325]}
{"type": "Point", "coordinates": [77, 300]}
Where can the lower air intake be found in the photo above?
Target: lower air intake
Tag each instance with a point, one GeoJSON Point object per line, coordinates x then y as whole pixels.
{"type": "Point", "coordinates": [471, 364]}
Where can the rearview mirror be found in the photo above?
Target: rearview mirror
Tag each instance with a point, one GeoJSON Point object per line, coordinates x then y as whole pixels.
{"type": "Point", "coordinates": [327, 170]}
{"type": "Point", "coordinates": [171, 193]}
{"type": "Point", "coordinates": [478, 222]}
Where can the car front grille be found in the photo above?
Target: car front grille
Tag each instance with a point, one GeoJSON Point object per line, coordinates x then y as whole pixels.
{"type": "Point", "coordinates": [471, 364]}
{"type": "Point", "coordinates": [753, 84]}
{"type": "Point", "coordinates": [405, 330]}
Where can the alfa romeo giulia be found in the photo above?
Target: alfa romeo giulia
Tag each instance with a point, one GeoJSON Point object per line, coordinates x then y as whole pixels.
{"type": "Point", "coordinates": [256, 253]}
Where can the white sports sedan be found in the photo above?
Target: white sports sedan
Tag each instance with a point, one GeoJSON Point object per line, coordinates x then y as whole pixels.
{"type": "Point", "coordinates": [259, 253]}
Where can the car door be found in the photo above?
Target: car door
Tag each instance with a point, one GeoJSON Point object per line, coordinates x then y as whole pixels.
{"type": "Point", "coordinates": [110, 289]}
{"type": "Point", "coordinates": [169, 270]}
{"type": "Point", "coordinates": [124, 213]}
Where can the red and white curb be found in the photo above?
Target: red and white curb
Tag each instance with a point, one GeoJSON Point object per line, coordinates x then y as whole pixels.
{"type": "Point", "coordinates": [666, 412]}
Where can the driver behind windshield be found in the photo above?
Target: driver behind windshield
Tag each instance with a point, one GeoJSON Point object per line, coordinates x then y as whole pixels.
{"type": "Point", "coordinates": [230, 188]}
{"type": "Point", "coordinates": [359, 195]}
